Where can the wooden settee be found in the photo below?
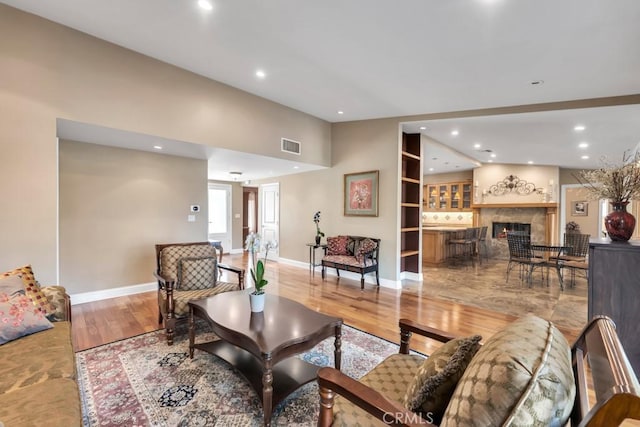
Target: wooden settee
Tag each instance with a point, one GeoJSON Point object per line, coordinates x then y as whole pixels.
{"type": "Point", "coordinates": [352, 253]}
{"type": "Point", "coordinates": [597, 354]}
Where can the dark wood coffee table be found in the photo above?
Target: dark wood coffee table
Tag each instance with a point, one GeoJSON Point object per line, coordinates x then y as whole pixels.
{"type": "Point", "coordinates": [261, 345]}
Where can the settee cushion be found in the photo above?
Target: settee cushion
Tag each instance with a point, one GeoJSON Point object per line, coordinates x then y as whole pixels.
{"type": "Point", "coordinates": [52, 403]}
{"type": "Point", "coordinates": [366, 246]}
{"type": "Point", "coordinates": [348, 260]}
{"type": "Point", "coordinates": [37, 358]}
{"type": "Point", "coordinates": [434, 382]}
{"type": "Point", "coordinates": [391, 378]}
{"type": "Point", "coordinates": [32, 288]}
{"type": "Point", "coordinates": [196, 273]}
{"type": "Point", "coordinates": [521, 376]}
{"type": "Point", "coordinates": [57, 296]}
{"type": "Point", "coordinates": [337, 245]}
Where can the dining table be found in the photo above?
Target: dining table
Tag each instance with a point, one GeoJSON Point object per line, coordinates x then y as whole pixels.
{"type": "Point", "coordinates": [550, 253]}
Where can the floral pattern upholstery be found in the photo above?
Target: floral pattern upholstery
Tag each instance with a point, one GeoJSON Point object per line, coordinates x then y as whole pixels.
{"type": "Point", "coordinates": [337, 245]}
{"type": "Point", "coordinates": [32, 288]}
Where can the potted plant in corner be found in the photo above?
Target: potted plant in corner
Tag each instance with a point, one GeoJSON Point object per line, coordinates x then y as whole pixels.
{"type": "Point", "coordinates": [319, 234]}
{"type": "Point", "coordinates": [257, 270]}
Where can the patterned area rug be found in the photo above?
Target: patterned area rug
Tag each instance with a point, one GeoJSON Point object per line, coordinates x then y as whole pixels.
{"type": "Point", "coordinates": [142, 381]}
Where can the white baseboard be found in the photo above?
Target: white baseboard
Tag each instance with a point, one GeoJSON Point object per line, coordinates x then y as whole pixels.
{"type": "Point", "coordinates": [418, 277]}
{"type": "Point", "coordinates": [83, 297]}
{"type": "Point", "coordinates": [368, 278]}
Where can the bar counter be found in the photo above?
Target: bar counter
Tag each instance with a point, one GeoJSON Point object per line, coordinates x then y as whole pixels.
{"type": "Point", "coordinates": [435, 242]}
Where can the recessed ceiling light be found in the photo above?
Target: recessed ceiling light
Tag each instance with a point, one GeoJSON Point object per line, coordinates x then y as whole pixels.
{"type": "Point", "coordinates": [296, 167]}
{"type": "Point", "coordinates": [454, 132]}
{"type": "Point", "coordinates": [423, 127]}
{"type": "Point", "coordinates": [585, 157]}
{"type": "Point", "coordinates": [583, 145]}
{"type": "Point", "coordinates": [476, 145]}
{"type": "Point", "coordinates": [340, 112]}
{"type": "Point", "coordinates": [530, 162]}
{"type": "Point", "coordinates": [261, 74]}
{"type": "Point", "coordinates": [205, 4]}
{"type": "Point", "coordinates": [157, 147]}
{"type": "Point", "coordinates": [490, 161]}
{"type": "Point", "coordinates": [493, 155]}
{"type": "Point", "coordinates": [579, 128]}
{"type": "Point", "coordinates": [430, 169]}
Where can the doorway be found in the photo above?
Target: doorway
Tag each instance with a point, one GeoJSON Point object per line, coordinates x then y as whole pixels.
{"type": "Point", "coordinates": [220, 213]}
{"type": "Point", "coordinates": [249, 211]}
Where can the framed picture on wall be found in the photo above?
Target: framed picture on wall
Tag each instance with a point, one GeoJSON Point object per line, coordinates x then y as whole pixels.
{"type": "Point", "coordinates": [580, 208]}
{"type": "Point", "coordinates": [361, 194]}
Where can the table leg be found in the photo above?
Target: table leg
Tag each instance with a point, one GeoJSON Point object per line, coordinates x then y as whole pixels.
{"type": "Point", "coordinates": [192, 332]}
{"type": "Point", "coordinates": [310, 259]}
{"type": "Point", "coordinates": [337, 355]}
{"type": "Point", "coordinates": [267, 391]}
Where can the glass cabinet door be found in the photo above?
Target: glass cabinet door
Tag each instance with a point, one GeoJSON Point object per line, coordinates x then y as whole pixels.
{"type": "Point", "coordinates": [432, 197]}
{"type": "Point", "coordinates": [466, 196]}
{"type": "Point", "coordinates": [455, 196]}
{"type": "Point", "coordinates": [443, 196]}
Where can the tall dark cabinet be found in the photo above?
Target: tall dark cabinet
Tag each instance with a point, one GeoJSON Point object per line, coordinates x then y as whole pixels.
{"type": "Point", "coordinates": [614, 290]}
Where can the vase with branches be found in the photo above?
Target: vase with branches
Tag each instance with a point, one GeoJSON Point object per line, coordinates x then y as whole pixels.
{"type": "Point", "coordinates": [619, 183]}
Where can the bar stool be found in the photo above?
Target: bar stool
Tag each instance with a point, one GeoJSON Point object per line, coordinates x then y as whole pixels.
{"type": "Point", "coordinates": [465, 247]}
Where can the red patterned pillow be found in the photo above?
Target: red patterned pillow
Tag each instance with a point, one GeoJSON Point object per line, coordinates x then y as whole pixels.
{"type": "Point", "coordinates": [337, 245]}
{"type": "Point", "coordinates": [32, 289]}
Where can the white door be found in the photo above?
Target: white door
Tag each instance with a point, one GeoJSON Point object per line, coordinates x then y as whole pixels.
{"type": "Point", "coordinates": [220, 214]}
{"type": "Point", "coordinates": [270, 215]}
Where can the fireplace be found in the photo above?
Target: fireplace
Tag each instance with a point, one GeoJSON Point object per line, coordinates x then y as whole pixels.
{"type": "Point", "coordinates": [500, 229]}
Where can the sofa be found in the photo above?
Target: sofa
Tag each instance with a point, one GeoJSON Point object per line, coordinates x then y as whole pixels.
{"type": "Point", "coordinates": [524, 375]}
{"type": "Point", "coordinates": [38, 371]}
{"type": "Point", "coordinates": [352, 253]}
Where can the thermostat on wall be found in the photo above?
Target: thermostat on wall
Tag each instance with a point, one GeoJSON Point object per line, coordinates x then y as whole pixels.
{"type": "Point", "coordinates": [195, 208]}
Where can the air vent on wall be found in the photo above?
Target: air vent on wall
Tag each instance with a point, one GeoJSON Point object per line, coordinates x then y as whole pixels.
{"type": "Point", "coordinates": [291, 146]}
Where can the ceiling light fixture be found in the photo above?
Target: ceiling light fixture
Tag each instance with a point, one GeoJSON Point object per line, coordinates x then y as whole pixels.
{"type": "Point", "coordinates": [455, 132]}
{"type": "Point", "coordinates": [157, 147]}
{"type": "Point", "coordinates": [579, 128]}
{"type": "Point", "coordinates": [423, 128]}
{"type": "Point", "coordinates": [430, 169]}
{"type": "Point", "coordinates": [261, 74]}
{"type": "Point", "coordinates": [493, 155]}
{"type": "Point", "coordinates": [490, 161]}
{"type": "Point", "coordinates": [583, 145]}
{"type": "Point", "coordinates": [205, 5]}
{"type": "Point", "coordinates": [340, 112]}
{"type": "Point", "coordinates": [296, 167]}
{"type": "Point", "coordinates": [476, 145]}
{"type": "Point", "coordinates": [585, 157]}
{"type": "Point", "coordinates": [530, 162]}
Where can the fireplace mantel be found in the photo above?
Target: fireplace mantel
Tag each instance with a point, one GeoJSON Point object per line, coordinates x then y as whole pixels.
{"type": "Point", "coordinates": [514, 205]}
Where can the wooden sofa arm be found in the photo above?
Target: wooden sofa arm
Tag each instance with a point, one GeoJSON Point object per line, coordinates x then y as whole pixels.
{"type": "Point", "coordinates": [333, 381]}
{"type": "Point", "coordinates": [164, 282]}
{"type": "Point", "coordinates": [236, 270]}
{"type": "Point", "coordinates": [408, 326]}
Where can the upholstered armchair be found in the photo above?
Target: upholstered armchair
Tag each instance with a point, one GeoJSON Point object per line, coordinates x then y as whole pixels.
{"type": "Point", "coordinates": [525, 374]}
{"type": "Point", "coordinates": [185, 272]}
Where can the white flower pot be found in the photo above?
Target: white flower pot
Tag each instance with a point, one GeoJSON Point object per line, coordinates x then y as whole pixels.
{"type": "Point", "coordinates": [257, 302]}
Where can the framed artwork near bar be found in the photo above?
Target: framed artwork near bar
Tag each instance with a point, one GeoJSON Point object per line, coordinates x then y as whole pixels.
{"type": "Point", "coordinates": [361, 194]}
{"type": "Point", "coordinates": [580, 208]}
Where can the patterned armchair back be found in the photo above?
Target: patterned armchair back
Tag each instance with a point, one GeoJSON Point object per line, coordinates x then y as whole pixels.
{"type": "Point", "coordinates": [191, 266]}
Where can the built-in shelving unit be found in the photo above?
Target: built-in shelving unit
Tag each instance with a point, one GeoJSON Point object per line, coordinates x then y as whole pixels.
{"type": "Point", "coordinates": [410, 203]}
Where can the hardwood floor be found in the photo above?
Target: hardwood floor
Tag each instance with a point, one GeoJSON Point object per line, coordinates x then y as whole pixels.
{"type": "Point", "coordinates": [374, 310]}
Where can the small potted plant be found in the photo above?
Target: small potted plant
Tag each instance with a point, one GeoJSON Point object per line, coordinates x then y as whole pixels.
{"type": "Point", "coordinates": [319, 234]}
{"type": "Point", "coordinates": [257, 270]}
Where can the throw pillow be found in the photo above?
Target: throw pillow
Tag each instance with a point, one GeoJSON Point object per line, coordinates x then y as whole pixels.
{"type": "Point", "coordinates": [32, 289]}
{"type": "Point", "coordinates": [436, 379]}
{"type": "Point", "coordinates": [366, 246]}
{"type": "Point", "coordinates": [196, 273]}
{"type": "Point", "coordinates": [337, 245]}
{"type": "Point", "coordinates": [11, 285]}
{"type": "Point", "coordinates": [522, 375]}
{"type": "Point", "coordinates": [19, 317]}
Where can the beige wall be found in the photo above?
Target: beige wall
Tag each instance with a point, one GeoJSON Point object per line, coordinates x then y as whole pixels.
{"type": "Point", "coordinates": [448, 177]}
{"type": "Point", "coordinates": [116, 204]}
{"type": "Point", "coordinates": [48, 71]}
{"type": "Point", "coordinates": [588, 223]}
{"type": "Point", "coordinates": [357, 147]}
{"type": "Point", "coordinates": [540, 176]}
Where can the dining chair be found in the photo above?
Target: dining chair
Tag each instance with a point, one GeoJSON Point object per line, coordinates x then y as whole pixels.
{"type": "Point", "coordinates": [481, 245]}
{"type": "Point", "coordinates": [521, 255]}
{"type": "Point", "coordinates": [575, 258]}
